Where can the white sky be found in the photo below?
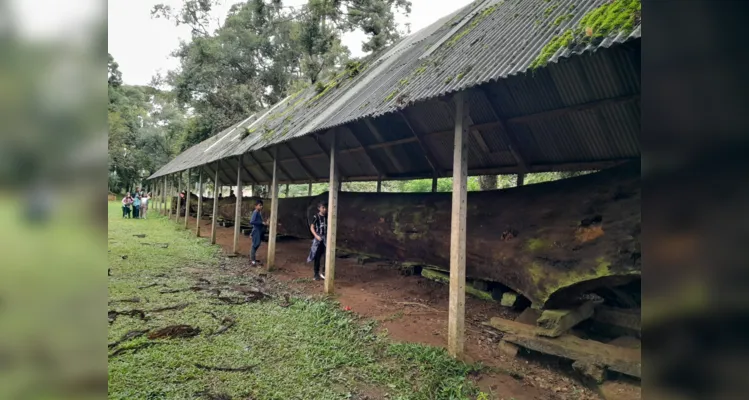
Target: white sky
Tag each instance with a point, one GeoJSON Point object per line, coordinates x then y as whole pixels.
{"type": "Point", "coordinates": [142, 45]}
{"type": "Point", "coordinates": [55, 19]}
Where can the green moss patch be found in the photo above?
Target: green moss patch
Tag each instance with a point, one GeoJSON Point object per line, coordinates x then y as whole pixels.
{"type": "Point", "coordinates": [391, 95]}
{"type": "Point", "coordinates": [475, 21]}
{"type": "Point", "coordinates": [611, 18]}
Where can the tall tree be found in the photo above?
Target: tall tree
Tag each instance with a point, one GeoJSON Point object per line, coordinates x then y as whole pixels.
{"type": "Point", "coordinates": [146, 126]}
{"type": "Point", "coordinates": [263, 50]}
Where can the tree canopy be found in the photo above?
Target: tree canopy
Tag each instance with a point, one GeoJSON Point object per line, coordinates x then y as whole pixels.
{"type": "Point", "coordinates": [146, 129]}
{"type": "Point", "coordinates": [263, 50]}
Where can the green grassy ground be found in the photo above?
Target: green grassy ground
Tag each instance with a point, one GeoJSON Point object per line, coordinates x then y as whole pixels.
{"type": "Point", "coordinates": [307, 349]}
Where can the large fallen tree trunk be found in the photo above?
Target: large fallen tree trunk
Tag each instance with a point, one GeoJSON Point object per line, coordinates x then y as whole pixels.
{"type": "Point", "coordinates": [292, 210]}
{"type": "Point", "coordinates": [549, 242]}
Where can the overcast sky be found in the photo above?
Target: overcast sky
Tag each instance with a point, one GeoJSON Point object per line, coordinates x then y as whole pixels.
{"type": "Point", "coordinates": [141, 45]}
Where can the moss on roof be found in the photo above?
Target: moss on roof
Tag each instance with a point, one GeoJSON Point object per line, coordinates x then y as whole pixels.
{"type": "Point", "coordinates": [610, 18]}
{"type": "Point", "coordinates": [474, 21]}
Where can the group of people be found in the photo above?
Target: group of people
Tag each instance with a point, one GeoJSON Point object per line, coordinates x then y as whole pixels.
{"type": "Point", "coordinates": [135, 205]}
{"type": "Point", "coordinates": [318, 228]}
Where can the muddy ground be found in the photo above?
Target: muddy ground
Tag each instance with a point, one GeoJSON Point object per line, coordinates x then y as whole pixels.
{"type": "Point", "coordinates": [414, 309]}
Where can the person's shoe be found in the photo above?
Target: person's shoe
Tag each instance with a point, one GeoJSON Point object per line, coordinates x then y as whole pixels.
{"type": "Point", "coordinates": [322, 276]}
{"type": "Point", "coordinates": [316, 278]}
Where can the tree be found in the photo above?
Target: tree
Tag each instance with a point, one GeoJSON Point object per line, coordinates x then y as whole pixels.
{"type": "Point", "coordinates": [263, 51]}
{"type": "Point", "coordinates": [488, 182]}
{"type": "Point", "coordinates": [114, 75]}
{"type": "Point", "coordinates": [146, 126]}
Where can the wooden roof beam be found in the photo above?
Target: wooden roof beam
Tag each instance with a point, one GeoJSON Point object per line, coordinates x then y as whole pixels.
{"type": "Point", "coordinates": [576, 108]}
{"type": "Point", "coordinates": [259, 164]}
{"type": "Point", "coordinates": [280, 164]}
{"type": "Point", "coordinates": [381, 171]}
{"type": "Point", "coordinates": [240, 160]}
{"type": "Point", "coordinates": [307, 169]}
{"type": "Point", "coordinates": [389, 152]}
{"type": "Point", "coordinates": [431, 159]}
{"type": "Point", "coordinates": [341, 175]}
{"type": "Point", "coordinates": [506, 133]}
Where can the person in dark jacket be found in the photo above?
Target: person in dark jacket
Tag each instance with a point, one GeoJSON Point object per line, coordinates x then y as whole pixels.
{"type": "Point", "coordinates": [319, 229]}
{"type": "Point", "coordinates": [258, 226]}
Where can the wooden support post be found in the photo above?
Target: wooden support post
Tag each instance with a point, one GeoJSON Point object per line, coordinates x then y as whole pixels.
{"type": "Point", "coordinates": [434, 184]}
{"type": "Point", "coordinates": [521, 179]}
{"type": "Point", "coordinates": [187, 199]}
{"type": "Point", "coordinates": [273, 213]}
{"type": "Point", "coordinates": [179, 199]}
{"type": "Point", "coordinates": [309, 189]}
{"type": "Point", "coordinates": [238, 207]}
{"type": "Point", "coordinates": [168, 200]}
{"type": "Point", "coordinates": [163, 198]}
{"type": "Point", "coordinates": [332, 219]}
{"type": "Point", "coordinates": [170, 196]}
{"type": "Point", "coordinates": [215, 204]}
{"type": "Point", "coordinates": [456, 320]}
{"type": "Point", "coordinates": [286, 194]}
{"type": "Point", "coordinates": [200, 202]}
{"type": "Point", "coordinates": [379, 185]}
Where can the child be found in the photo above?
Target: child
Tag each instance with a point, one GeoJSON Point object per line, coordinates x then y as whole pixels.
{"type": "Point", "coordinates": [126, 201]}
{"type": "Point", "coordinates": [257, 230]}
{"type": "Point", "coordinates": [136, 206]}
{"type": "Point", "coordinates": [319, 229]}
{"type": "Point", "coordinates": [144, 205]}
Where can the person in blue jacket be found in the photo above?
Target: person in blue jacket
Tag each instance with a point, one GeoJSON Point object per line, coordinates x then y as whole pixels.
{"type": "Point", "coordinates": [258, 226]}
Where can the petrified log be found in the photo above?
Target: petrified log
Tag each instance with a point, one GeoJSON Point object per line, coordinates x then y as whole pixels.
{"type": "Point", "coordinates": [292, 212]}
{"type": "Point", "coordinates": [549, 242]}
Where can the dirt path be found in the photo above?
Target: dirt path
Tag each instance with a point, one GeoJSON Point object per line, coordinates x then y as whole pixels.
{"type": "Point", "coordinates": [414, 309]}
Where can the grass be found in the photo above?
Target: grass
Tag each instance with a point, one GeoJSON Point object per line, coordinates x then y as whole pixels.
{"type": "Point", "coordinates": [51, 299]}
{"type": "Point", "coordinates": [310, 349]}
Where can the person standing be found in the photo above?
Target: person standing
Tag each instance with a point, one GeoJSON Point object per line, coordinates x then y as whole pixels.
{"type": "Point", "coordinates": [319, 229]}
{"type": "Point", "coordinates": [144, 205]}
{"type": "Point", "coordinates": [126, 202]}
{"type": "Point", "coordinates": [136, 206]}
{"type": "Point", "coordinates": [258, 226]}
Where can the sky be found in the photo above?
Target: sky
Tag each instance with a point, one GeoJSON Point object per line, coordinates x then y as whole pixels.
{"type": "Point", "coordinates": [55, 19]}
{"type": "Point", "coordinates": [142, 45]}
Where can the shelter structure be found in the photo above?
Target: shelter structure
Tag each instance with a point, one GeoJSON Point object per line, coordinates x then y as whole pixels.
{"type": "Point", "coordinates": [497, 87]}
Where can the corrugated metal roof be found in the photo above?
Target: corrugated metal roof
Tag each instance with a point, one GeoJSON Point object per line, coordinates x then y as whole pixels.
{"type": "Point", "coordinates": [488, 41]}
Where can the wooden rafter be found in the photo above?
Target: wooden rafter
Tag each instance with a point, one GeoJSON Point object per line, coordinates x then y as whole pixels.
{"type": "Point", "coordinates": [372, 160]}
{"type": "Point", "coordinates": [388, 151]}
{"type": "Point", "coordinates": [228, 178]}
{"type": "Point", "coordinates": [307, 169]}
{"type": "Point", "coordinates": [431, 159]}
{"type": "Point", "coordinates": [576, 108]}
{"type": "Point", "coordinates": [501, 124]}
{"type": "Point", "coordinates": [341, 175]}
{"type": "Point", "coordinates": [213, 173]}
{"type": "Point", "coordinates": [259, 164]}
{"type": "Point", "coordinates": [280, 163]}
{"type": "Point", "coordinates": [240, 159]}
{"type": "Point", "coordinates": [506, 133]}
